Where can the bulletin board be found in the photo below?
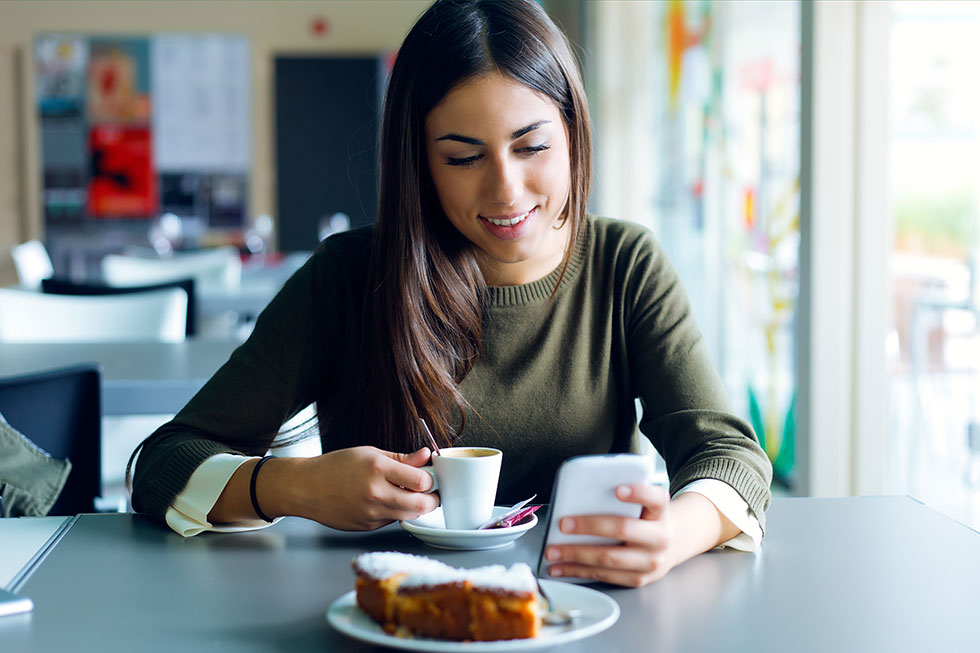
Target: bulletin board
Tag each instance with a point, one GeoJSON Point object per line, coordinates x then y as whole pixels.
{"type": "Point", "coordinates": [133, 127]}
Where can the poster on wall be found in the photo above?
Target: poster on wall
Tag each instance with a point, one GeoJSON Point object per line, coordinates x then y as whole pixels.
{"type": "Point", "coordinates": [60, 61]}
{"type": "Point", "coordinates": [122, 179]}
{"type": "Point", "coordinates": [132, 126]}
{"type": "Point", "coordinates": [202, 97]}
{"type": "Point", "coordinates": [118, 88]}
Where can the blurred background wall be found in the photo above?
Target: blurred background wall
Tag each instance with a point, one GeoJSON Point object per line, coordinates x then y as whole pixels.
{"type": "Point", "coordinates": [273, 28]}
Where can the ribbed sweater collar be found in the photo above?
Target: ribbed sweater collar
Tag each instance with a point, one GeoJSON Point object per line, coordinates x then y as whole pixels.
{"type": "Point", "coordinates": [539, 291]}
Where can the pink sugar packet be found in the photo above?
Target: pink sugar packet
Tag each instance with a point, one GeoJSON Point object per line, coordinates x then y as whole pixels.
{"type": "Point", "coordinates": [513, 518]}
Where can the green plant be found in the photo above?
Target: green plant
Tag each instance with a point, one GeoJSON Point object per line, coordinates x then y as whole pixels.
{"type": "Point", "coordinates": [936, 224]}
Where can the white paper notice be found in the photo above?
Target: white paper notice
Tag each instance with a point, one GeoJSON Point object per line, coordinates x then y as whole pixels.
{"type": "Point", "coordinates": [201, 113]}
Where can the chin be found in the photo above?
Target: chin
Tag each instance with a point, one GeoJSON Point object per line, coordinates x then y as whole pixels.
{"type": "Point", "coordinates": [510, 257]}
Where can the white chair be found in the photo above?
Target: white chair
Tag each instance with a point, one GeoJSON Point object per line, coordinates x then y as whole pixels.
{"type": "Point", "coordinates": [212, 268]}
{"type": "Point", "coordinates": [32, 263]}
{"type": "Point", "coordinates": [159, 315]}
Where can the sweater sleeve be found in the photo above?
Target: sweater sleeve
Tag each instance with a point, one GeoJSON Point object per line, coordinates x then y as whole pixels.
{"type": "Point", "coordinates": [686, 412]}
{"type": "Point", "coordinates": [284, 366]}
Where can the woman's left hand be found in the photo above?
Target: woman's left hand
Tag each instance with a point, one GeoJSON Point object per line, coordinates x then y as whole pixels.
{"type": "Point", "coordinates": [648, 542]}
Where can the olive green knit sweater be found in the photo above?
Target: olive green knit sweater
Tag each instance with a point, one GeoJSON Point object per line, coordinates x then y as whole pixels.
{"type": "Point", "coordinates": [558, 379]}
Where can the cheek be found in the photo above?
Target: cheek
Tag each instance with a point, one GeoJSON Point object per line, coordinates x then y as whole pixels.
{"type": "Point", "coordinates": [444, 186]}
{"type": "Point", "coordinates": [555, 177]}
{"type": "Point", "coordinates": [453, 194]}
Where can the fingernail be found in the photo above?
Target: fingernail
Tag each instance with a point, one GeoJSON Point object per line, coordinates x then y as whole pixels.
{"type": "Point", "coordinates": [624, 491]}
{"type": "Point", "coordinates": [553, 554]}
{"type": "Point", "coordinates": [567, 525]}
{"type": "Point", "coordinates": [555, 571]}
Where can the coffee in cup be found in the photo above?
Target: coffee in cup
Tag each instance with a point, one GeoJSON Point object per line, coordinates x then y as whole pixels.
{"type": "Point", "coordinates": [466, 478]}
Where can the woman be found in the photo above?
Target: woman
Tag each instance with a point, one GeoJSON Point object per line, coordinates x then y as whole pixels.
{"type": "Point", "coordinates": [487, 302]}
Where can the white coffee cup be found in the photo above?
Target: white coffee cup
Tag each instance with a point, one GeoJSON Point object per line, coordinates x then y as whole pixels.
{"type": "Point", "coordinates": [466, 478]}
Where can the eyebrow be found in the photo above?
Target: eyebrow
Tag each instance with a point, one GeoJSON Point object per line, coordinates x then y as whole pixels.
{"type": "Point", "coordinates": [475, 141]}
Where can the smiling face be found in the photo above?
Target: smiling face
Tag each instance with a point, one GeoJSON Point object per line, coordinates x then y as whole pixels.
{"type": "Point", "coordinates": [499, 158]}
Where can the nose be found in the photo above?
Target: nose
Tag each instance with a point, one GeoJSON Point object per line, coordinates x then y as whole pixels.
{"type": "Point", "coordinates": [505, 182]}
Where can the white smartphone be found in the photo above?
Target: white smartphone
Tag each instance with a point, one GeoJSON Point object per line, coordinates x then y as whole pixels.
{"type": "Point", "coordinates": [586, 485]}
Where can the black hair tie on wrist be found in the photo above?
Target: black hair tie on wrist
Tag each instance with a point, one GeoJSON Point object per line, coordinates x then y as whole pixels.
{"type": "Point", "coordinates": [251, 488]}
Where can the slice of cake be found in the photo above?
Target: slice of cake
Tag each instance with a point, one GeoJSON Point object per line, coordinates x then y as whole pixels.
{"type": "Point", "coordinates": [415, 595]}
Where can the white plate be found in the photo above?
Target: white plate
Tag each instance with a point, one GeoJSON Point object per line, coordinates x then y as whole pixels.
{"type": "Point", "coordinates": [431, 529]}
{"type": "Point", "coordinates": [599, 612]}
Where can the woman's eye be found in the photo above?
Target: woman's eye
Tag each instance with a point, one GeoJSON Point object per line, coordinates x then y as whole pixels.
{"type": "Point", "coordinates": [531, 150]}
{"type": "Point", "coordinates": [464, 162]}
{"type": "Point", "coordinates": [468, 161]}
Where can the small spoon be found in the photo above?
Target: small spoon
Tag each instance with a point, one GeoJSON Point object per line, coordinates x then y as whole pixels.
{"type": "Point", "coordinates": [557, 617]}
{"type": "Point", "coordinates": [432, 440]}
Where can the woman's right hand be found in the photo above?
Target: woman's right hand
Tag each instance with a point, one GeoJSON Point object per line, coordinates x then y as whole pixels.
{"type": "Point", "coordinates": [355, 489]}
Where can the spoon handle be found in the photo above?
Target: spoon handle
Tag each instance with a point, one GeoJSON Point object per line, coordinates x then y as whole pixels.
{"type": "Point", "coordinates": [432, 440]}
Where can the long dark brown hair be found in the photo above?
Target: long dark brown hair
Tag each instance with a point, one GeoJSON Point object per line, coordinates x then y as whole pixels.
{"type": "Point", "coordinates": [423, 308]}
{"type": "Point", "coordinates": [424, 301]}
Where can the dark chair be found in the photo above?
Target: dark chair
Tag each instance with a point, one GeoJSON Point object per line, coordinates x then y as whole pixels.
{"type": "Point", "coordinates": [55, 286]}
{"type": "Point", "coordinates": [61, 412]}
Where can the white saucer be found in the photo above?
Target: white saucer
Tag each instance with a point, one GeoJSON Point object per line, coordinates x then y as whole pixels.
{"type": "Point", "coordinates": [599, 612]}
{"type": "Point", "coordinates": [431, 529]}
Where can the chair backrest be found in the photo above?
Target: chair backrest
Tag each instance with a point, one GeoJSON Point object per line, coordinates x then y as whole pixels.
{"type": "Point", "coordinates": [157, 315]}
{"type": "Point", "coordinates": [56, 286]}
{"type": "Point", "coordinates": [61, 412]}
{"type": "Point", "coordinates": [218, 268]}
{"type": "Point", "coordinates": [32, 263]}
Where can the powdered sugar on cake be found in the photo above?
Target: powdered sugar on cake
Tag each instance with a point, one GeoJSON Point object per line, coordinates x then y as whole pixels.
{"type": "Point", "coordinates": [426, 572]}
{"type": "Point", "coordinates": [385, 564]}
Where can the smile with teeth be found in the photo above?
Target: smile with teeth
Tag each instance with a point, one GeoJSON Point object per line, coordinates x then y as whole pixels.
{"type": "Point", "coordinates": [509, 222]}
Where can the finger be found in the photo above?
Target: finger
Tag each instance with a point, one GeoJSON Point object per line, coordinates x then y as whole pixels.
{"type": "Point", "coordinates": [625, 558]}
{"type": "Point", "coordinates": [405, 505]}
{"type": "Point", "coordinates": [612, 576]}
{"type": "Point", "coordinates": [651, 534]}
{"type": "Point", "coordinates": [417, 458]}
{"type": "Point", "coordinates": [407, 476]}
{"type": "Point", "coordinates": [386, 502]}
{"type": "Point", "coordinates": [653, 498]}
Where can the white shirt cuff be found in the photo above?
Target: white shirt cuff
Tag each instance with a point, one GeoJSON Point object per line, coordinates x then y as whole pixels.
{"type": "Point", "coordinates": [729, 503]}
{"type": "Point", "coordinates": [188, 515]}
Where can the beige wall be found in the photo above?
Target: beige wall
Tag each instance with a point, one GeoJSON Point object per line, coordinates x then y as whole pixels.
{"type": "Point", "coordinates": [12, 228]}
{"type": "Point", "coordinates": [274, 28]}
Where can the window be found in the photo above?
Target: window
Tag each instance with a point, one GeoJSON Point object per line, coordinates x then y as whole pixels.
{"type": "Point", "coordinates": [697, 111]}
{"type": "Point", "coordinates": [934, 170]}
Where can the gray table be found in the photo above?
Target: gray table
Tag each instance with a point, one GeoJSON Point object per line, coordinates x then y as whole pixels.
{"type": "Point", "coordinates": [146, 378]}
{"type": "Point", "coordinates": [857, 574]}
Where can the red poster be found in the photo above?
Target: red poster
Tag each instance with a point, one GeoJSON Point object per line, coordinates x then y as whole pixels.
{"type": "Point", "coordinates": [122, 183]}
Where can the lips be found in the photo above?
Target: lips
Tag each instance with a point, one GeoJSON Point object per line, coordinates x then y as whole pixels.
{"type": "Point", "coordinates": [511, 226]}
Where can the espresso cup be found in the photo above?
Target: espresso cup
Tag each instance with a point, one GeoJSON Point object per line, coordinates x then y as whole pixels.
{"type": "Point", "coordinates": [466, 478]}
